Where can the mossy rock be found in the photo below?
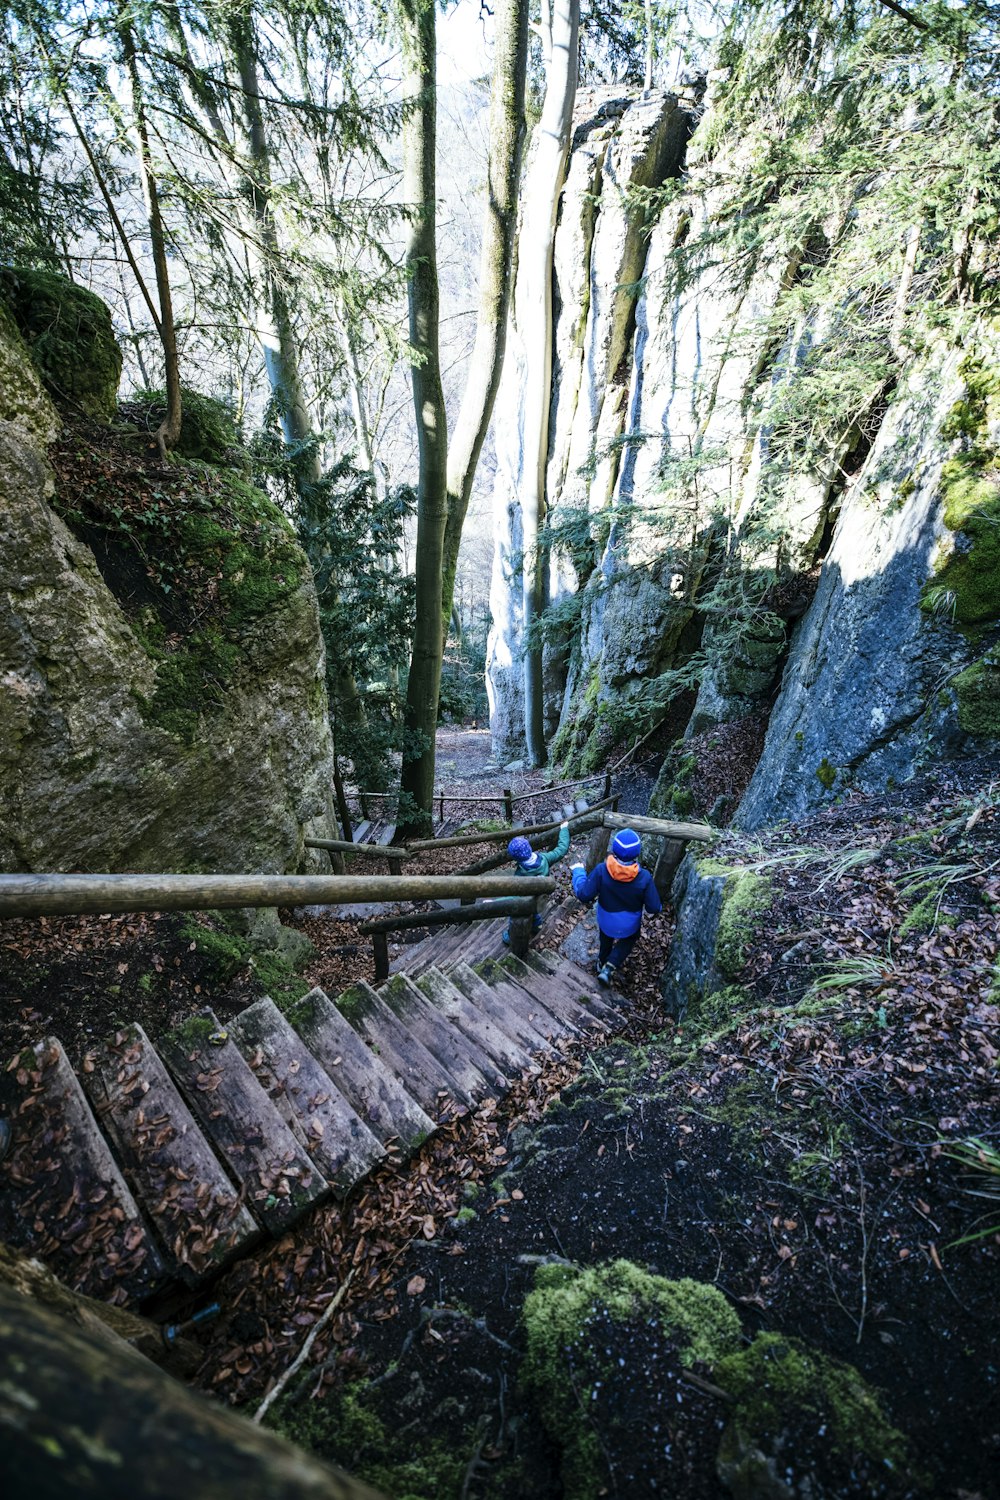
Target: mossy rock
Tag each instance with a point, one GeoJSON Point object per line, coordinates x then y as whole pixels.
{"type": "Point", "coordinates": [208, 426]}
{"type": "Point", "coordinates": [577, 1320]}
{"type": "Point", "coordinates": [746, 897]}
{"type": "Point", "coordinates": [969, 577]}
{"type": "Point", "coordinates": [978, 689]}
{"type": "Point", "coordinates": [68, 331]}
{"type": "Point", "coordinates": [806, 1425]}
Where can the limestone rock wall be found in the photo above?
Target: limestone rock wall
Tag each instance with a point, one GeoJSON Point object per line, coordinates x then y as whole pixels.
{"type": "Point", "coordinates": [87, 780]}
{"type": "Point", "coordinates": [827, 585]}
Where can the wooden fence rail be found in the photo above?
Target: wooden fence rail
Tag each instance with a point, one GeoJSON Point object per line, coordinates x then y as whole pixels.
{"type": "Point", "coordinates": [72, 895]}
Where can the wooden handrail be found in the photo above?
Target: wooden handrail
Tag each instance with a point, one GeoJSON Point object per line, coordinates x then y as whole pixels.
{"type": "Point", "coordinates": [485, 912]}
{"type": "Point", "coordinates": [72, 895]}
{"type": "Point", "coordinates": [384, 851]}
{"type": "Point", "coordinates": [462, 840]}
{"type": "Point", "coordinates": [663, 826]}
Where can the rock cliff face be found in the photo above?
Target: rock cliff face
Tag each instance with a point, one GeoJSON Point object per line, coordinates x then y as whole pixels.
{"type": "Point", "coordinates": [111, 756]}
{"type": "Point", "coordinates": [737, 520]}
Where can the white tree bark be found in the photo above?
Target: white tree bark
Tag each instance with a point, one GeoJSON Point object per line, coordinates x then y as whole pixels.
{"type": "Point", "coordinates": [533, 314]}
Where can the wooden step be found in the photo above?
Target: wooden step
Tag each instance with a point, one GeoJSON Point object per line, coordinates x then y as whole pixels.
{"type": "Point", "coordinates": [510, 971]}
{"type": "Point", "coordinates": [567, 810]}
{"type": "Point", "coordinates": [418, 1070]}
{"type": "Point", "coordinates": [583, 981]}
{"type": "Point", "coordinates": [62, 1195]}
{"type": "Point", "coordinates": [279, 1181]}
{"type": "Point", "coordinates": [580, 805]}
{"type": "Point", "coordinates": [361, 831]}
{"type": "Point", "coordinates": [366, 1083]}
{"type": "Point", "coordinates": [537, 1028]}
{"type": "Point", "coordinates": [471, 1068]}
{"type": "Point", "coordinates": [198, 1216]}
{"type": "Point", "coordinates": [507, 1051]}
{"type": "Point", "coordinates": [339, 1142]}
{"type": "Point", "coordinates": [560, 993]}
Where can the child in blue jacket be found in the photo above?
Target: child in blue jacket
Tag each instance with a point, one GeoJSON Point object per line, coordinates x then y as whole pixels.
{"type": "Point", "coordinates": [623, 890]}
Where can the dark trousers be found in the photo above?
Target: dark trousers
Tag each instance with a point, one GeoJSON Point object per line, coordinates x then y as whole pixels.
{"type": "Point", "coordinates": [616, 950]}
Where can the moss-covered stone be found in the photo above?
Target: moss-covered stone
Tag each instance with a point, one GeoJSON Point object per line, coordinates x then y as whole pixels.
{"type": "Point", "coordinates": [208, 427]}
{"type": "Point", "coordinates": [978, 690]}
{"type": "Point", "coordinates": [23, 399]}
{"type": "Point", "coordinates": [805, 1422]}
{"type": "Point", "coordinates": [69, 333]}
{"type": "Point", "coordinates": [826, 774]}
{"type": "Point", "coordinates": [347, 1429]}
{"type": "Point", "coordinates": [745, 898]}
{"type": "Point", "coordinates": [566, 1357]}
{"type": "Point", "coordinates": [970, 483]}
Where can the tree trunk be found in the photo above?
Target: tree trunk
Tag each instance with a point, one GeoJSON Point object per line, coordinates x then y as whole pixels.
{"type": "Point", "coordinates": [80, 1418]}
{"type": "Point", "coordinates": [417, 22]}
{"type": "Point", "coordinates": [507, 130]}
{"type": "Point", "coordinates": [534, 316]}
{"type": "Point", "coordinates": [277, 331]}
{"type": "Point", "coordinates": [169, 429]}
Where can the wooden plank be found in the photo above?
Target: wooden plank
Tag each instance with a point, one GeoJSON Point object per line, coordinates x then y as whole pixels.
{"type": "Point", "coordinates": [198, 1215]}
{"type": "Point", "coordinates": [278, 1179]}
{"type": "Point", "coordinates": [662, 826]}
{"type": "Point", "coordinates": [62, 1195]}
{"type": "Point", "coordinates": [564, 990]}
{"type": "Point", "coordinates": [554, 963]}
{"type": "Point", "coordinates": [581, 805]}
{"type": "Point", "coordinates": [508, 1053]}
{"type": "Point", "coordinates": [464, 1059]}
{"type": "Point", "coordinates": [418, 1070]}
{"type": "Point", "coordinates": [376, 1095]}
{"type": "Point", "coordinates": [386, 834]}
{"type": "Point", "coordinates": [337, 1139]}
{"type": "Point", "coordinates": [569, 810]}
{"type": "Point", "coordinates": [545, 989]}
{"type": "Point", "coordinates": [362, 830]}
{"type": "Point", "coordinates": [533, 1019]}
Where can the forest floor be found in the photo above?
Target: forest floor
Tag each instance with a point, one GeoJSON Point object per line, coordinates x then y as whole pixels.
{"type": "Point", "coordinates": [788, 1144]}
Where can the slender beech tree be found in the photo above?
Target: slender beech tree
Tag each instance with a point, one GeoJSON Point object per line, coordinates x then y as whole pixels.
{"type": "Point", "coordinates": [503, 176]}
{"type": "Point", "coordinates": [169, 429]}
{"type": "Point", "coordinates": [417, 25]}
{"type": "Point", "coordinates": [533, 312]}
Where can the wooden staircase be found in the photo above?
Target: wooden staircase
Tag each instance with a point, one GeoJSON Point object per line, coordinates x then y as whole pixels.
{"type": "Point", "coordinates": [161, 1164]}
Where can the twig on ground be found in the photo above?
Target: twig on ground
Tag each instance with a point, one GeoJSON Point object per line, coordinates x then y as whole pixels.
{"type": "Point", "coordinates": [282, 1382]}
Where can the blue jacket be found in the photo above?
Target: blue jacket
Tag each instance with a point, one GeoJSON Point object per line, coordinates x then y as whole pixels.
{"type": "Point", "coordinates": [620, 903]}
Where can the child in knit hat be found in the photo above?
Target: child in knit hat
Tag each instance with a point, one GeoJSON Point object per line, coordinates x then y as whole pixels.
{"type": "Point", "coordinates": [530, 862]}
{"type": "Point", "coordinates": [624, 890]}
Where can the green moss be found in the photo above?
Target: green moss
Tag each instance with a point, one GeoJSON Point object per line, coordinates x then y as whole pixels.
{"type": "Point", "coordinates": [746, 896]}
{"type": "Point", "coordinates": [69, 333]}
{"type": "Point", "coordinates": [208, 427]}
{"type": "Point", "coordinates": [466, 1216]}
{"type": "Point", "coordinates": [226, 953]}
{"type": "Point", "coordinates": [978, 689]}
{"type": "Point", "coordinates": [353, 1004]}
{"type": "Point", "coordinates": [194, 568]}
{"type": "Point", "coordinates": [565, 1321]}
{"type": "Point", "coordinates": [826, 774]}
{"type": "Point", "coordinates": [970, 484]}
{"type": "Point", "coordinates": [819, 1413]}
{"type": "Point", "coordinates": [346, 1429]}
{"type": "Point", "coordinates": [194, 1032]}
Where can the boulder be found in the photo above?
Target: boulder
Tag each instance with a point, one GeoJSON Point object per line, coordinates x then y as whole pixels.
{"type": "Point", "coordinates": [120, 753]}
{"type": "Point", "coordinates": [68, 331]}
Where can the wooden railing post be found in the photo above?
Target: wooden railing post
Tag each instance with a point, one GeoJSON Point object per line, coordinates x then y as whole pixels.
{"type": "Point", "coordinates": [522, 930]}
{"type": "Point", "coordinates": [607, 785]}
{"type": "Point", "coordinates": [395, 864]}
{"type": "Point", "coordinates": [380, 943]}
{"type": "Point", "coordinates": [508, 804]}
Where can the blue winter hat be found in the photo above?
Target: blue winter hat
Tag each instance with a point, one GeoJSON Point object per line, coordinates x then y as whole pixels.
{"type": "Point", "coordinates": [520, 850]}
{"type": "Point", "coordinates": [626, 846]}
